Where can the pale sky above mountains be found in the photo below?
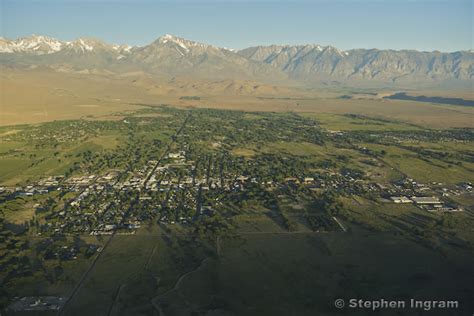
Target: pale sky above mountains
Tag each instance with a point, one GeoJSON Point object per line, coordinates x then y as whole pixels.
{"type": "Point", "coordinates": [445, 25]}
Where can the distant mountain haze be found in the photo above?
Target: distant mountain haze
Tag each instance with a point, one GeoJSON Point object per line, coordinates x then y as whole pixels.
{"type": "Point", "coordinates": [301, 64]}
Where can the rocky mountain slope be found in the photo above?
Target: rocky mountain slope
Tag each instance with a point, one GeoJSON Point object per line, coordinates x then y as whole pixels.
{"type": "Point", "coordinates": [171, 56]}
{"type": "Point", "coordinates": [180, 57]}
{"type": "Point", "coordinates": [313, 63]}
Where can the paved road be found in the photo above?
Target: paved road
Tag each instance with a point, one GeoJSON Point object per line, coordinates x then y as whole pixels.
{"type": "Point", "coordinates": [339, 223]}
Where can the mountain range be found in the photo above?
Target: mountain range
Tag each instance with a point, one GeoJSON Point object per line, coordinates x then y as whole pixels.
{"type": "Point", "coordinates": [308, 65]}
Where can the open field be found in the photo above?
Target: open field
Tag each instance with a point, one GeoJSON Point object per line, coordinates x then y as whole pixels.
{"type": "Point", "coordinates": [141, 266]}
{"type": "Point", "coordinates": [252, 273]}
{"type": "Point", "coordinates": [259, 269]}
{"type": "Point", "coordinates": [58, 96]}
{"type": "Point", "coordinates": [423, 114]}
{"type": "Point", "coordinates": [55, 96]}
{"type": "Point", "coordinates": [425, 169]}
{"type": "Point", "coordinates": [348, 122]}
{"type": "Point", "coordinates": [27, 162]}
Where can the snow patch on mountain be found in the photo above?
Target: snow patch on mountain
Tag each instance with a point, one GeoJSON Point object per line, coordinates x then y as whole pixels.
{"type": "Point", "coordinates": [35, 44]}
{"type": "Point", "coordinates": [40, 45]}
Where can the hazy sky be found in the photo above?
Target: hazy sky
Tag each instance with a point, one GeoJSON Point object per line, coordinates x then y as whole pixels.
{"type": "Point", "coordinates": [445, 25]}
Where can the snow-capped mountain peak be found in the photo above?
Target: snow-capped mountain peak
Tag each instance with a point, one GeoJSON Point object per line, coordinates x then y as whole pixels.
{"type": "Point", "coordinates": [181, 42]}
{"type": "Point", "coordinates": [81, 45]}
{"type": "Point", "coordinates": [124, 48]}
{"type": "Point", "coordinates": [185, 44]}
{"type": "Point", "coordinates": [174, 55]}
{"type": "Point", "coordinates": [37, 44]}
{"type": "Point", "coordinates": [166, 37]}
{"type": "Point", "coordinates": [41, 45]}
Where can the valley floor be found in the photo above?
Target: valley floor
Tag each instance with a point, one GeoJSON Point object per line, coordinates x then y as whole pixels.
{"type": "Point", "coordinates": [198, 211]}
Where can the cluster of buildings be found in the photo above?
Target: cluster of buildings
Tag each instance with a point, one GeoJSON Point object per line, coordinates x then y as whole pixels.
{"type": "Point", "coordinates": [427, 196]}
{"type": "Point", "coordinates": [430, 203]}
{"type": "Point", "coordinates": [37, 304]}
{"type": "Point", "coordinates": [172, 189]}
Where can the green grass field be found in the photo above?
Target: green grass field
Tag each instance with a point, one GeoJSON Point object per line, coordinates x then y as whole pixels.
{"type": "Point", "coordinates": [423, 170]}
{"type": "Point", "coordinates": [339, 122]}
{"type": "Point", "coordinates": [22, 161]}
{"type": "Point", "coordinates": [142, 267]}
{"type": "Point", "coordinates": [303, 274]}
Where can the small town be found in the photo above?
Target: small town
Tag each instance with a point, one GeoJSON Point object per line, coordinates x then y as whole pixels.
{"type": "Point", "coordinates": [160, 187]}
{"type": "Point", "coordinates": [178, 174]}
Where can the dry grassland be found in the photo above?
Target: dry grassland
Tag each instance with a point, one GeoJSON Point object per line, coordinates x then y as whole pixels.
{"type": "Point", "coordinates": [33, 96]}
